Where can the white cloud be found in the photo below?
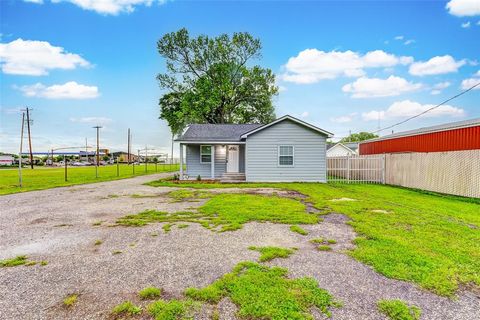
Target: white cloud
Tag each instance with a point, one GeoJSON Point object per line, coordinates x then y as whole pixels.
{"type": "Point", "coordinates": [312, 65]}
{"type": "Point", "coordinates": [468, 83]}
{"type": "Point", "coordinates": [466, 25]}
{"type": "Point", "coordinates": [304, 114]}
{"type": "Point", "coordinates": [462, 8]}
{"type": "Point", "coordinates": [375, 87]}
{"type": "Point", "coordinates": [344, 119]}
{"type": "Point", "coordinates": [34, 1]}
{"type": "Point", "coordinates": [409, 41]}
{"type": "Point", "coordinates": [92, 120]}
{"type": "Point", "coordinates": [69, 90]}
{"type": "Point", "coordinates": [112, 7]}
{"type": "Point", "coordinates": [399, 37]}
{"type": "Point", "coordinates": [478, 23]}
{"type": "Point", "coordinates": [407, 108]}
{"type": "Point", "coordinates": [437, 88]}
{"type": "Point", "coordinates": [436, 65]}
{"type": "Point", "coordinates": [36, 58]}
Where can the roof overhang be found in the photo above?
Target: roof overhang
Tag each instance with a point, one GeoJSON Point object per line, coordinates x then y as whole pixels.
{"type": "Point", "coordinates": [288, 117]}
{"type": "Point", "coordinates": [209, 142]}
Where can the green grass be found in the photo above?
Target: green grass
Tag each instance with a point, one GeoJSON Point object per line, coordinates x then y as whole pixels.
{"type": "Point", "coordinates": [425, 238]}
{"type": "Point", "coordinates": [299, 230]}
{"type": "Point", "coordinates": [126, 308]}
{"type": "Point", "coordinates": [398, 310]}
{"type": "Point", "coordinates": [172, 309]}
{"type": "Point", "coordinates": [13, 262]}
{"type": "Point", "coordinates": [45, 177]}
{"type": "Point", "coordinates": [43, 262]}
{"type": "Point", "coordinates": [185, 194]}
{"type": "Point", "coordinates": [150, 293]}
{"type": "Point", "coordinates": [183, 226]}
{"type": "Point", "coordinates": [261, 292]}
{"type": "Point", "coordinates": [270, 253]}
{"type": "Point", "coordinates": [226, 212]}
{"type": "Point", "coordinates": [70, 300]}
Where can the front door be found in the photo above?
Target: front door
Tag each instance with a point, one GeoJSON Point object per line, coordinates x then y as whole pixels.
{"type": "Point", "coordinates": [232, 164]}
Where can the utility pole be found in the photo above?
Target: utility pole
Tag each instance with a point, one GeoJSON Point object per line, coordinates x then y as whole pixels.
{"type": "Point", "coordinates": [20, 154]}
{"type": "Point", "coordinates": [29, 138]}
{"type": "Point", "coordinates": [86, 149]}
{"type": "Point", "coordinates": [98, 150]}
{"type": "Point", "coordinates": [128, 148]}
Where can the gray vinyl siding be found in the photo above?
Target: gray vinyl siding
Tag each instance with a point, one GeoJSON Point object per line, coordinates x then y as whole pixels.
{"type": "Point", "coordinates": [241, 160]}
{"type": "Point", "coordinates": [309, 154]}
{"type": "Point", "coordinates": [195, 168]}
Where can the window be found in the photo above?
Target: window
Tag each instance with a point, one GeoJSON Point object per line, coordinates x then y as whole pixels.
{"type": "Point", "coordinates": [205, 154]}
{"type": "Point", "coordinates": [285, 155]}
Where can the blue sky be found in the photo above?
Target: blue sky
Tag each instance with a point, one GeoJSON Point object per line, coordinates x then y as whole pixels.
{"type": "Point", "coordinates": [343, 66]}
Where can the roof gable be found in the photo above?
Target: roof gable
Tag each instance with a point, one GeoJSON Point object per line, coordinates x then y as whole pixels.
{"type": "Point", "coordinates": [293, 119]}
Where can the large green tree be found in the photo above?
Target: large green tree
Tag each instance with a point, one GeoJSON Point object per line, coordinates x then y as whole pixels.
{"type": "Point", "coordinates": [361, 136]}
{"type": "Point", "coordinates": [209, 80]}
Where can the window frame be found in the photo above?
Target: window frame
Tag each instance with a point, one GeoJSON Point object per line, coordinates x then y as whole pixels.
{"type": "Point", "coordinates": [279, 155]}
{"type": "Point", "coordinates": [205, 154]}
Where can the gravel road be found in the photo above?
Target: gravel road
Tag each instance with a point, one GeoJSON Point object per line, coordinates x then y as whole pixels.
{"type": "Point", "coordinates": [58, 225]}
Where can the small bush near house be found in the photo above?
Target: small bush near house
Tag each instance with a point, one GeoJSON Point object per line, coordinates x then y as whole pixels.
{"type": "Point", "coordinates": [199, 178]}
{"type": "Point", "coordinates": [398, 310]}
{"type": "Point", "coordinates": [150, 293]}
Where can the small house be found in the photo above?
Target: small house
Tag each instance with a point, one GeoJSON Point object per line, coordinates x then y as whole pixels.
{"type": "Point", "coordinates": [285, 150]}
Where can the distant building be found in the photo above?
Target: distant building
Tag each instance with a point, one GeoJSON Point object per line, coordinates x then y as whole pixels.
{"type": "Point", "coordinates": [6, 160]}
{"type": "Point", "coordinates": [123, 157]}
{"type": "Point", "coordinates": [342, 149]}
{"type": "Point", "coordinates": [454, 136]}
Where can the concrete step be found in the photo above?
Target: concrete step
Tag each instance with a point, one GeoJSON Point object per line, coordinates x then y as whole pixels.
{"type": "Point", "coordinates": [233, 176]}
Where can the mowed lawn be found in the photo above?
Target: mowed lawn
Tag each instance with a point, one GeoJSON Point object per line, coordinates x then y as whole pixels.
{"type": "Point", "coordinates": [428, 239]}
{"type": "Point", "coordinates": [46, 177]}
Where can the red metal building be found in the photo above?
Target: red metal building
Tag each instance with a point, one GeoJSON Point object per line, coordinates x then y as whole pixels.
{"type": "Point", "coordinates": [462, 135]}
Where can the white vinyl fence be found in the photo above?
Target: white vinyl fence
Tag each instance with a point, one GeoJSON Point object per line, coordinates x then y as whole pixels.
{"type": "Point", "coordinates": [356, 169]}
{"type": "Point", "coordinates": [453, 172]}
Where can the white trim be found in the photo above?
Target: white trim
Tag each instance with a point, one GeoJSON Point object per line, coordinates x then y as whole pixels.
{"type": "Point", "coordinates": [288, 117]}
{"type": "Point", "coordinates": [206, 145]}
{"type": "Point", "coordinates": [278, 155]}
{"type": "Point", "coordinates": [212, 161]}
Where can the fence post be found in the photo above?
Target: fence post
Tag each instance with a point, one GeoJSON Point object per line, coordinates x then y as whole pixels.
{"type": "Point", "coordinates": [348, 169]}
{"type": "Point", "coordinates": [384, 167]}
{"type": "Point", "coordinates": [118, 171]}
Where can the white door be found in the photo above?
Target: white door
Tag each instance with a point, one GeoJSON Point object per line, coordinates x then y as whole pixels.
{"type": "Point", "coordinates": [232, 164]}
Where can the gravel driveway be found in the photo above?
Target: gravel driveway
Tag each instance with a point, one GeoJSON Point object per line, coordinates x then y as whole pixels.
{"type": "Point", "coordinates": [58, 225]}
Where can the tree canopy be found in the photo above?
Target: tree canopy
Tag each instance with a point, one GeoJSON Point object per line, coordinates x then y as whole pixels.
{"type": "Point", "coordinates": [208, 80]}
{"type": "Point", "coordinates": [361, 136]}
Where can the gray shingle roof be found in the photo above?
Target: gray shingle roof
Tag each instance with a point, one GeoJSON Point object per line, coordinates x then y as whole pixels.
{"type": "Point", "coordinates": [441, 127]}
{"type": "Point", "coordinates": [216, 132]}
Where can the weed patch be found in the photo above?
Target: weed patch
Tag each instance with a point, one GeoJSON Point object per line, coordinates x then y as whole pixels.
{"type": "Point", "coordinates": [270, 253]}
{"type": "Point", "coordinates": [150, 293]}
{"type": "Point", "coordinates": [398, 310]}
{"type": "Point", "coordinates": [324, 248]}
{"type": "Point", "coordinates": [299, 230]}
{"type": "Point", "coordinates": [97, 223]}
{"type": "Point", "coordinates": [167, 227]}
{"type": "Point", "coordinates": [172, 309]}
{"type": "Point", "coordinates": [17, 261]}
{"type": "Point", "coordinates": [126, 308]}
{"type": "Point", "coordinates": [115, 252]}
{"type": "Point", "coordinates": [98, 242]}
{"type": "Point", "coordinates": [229, 212]}
{"type": "Point", "coordinates": [261, 292]}
{"type": "Point", "coordinates": [70, 300]}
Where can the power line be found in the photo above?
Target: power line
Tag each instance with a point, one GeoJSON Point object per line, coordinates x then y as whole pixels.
{"type": "Point", "coordinates": [429, 109]}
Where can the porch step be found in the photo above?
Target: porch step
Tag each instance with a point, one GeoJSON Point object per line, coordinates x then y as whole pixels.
{"type": "Point", "coordinates": [233, 177]}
